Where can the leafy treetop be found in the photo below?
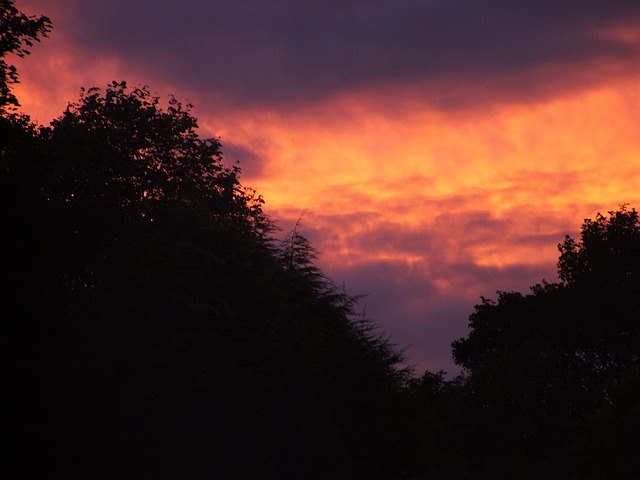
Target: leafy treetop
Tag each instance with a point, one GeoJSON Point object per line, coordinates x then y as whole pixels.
{"type": "Point", "coordinates": [120, 146]}
{"type": "Point", "coordinates": [18, 32]}
{"type": "Point", "coordinates": [608, 250]}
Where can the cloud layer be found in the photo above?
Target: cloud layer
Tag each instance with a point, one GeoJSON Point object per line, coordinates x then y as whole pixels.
{"type": "Point", "coordinates": [442, 147]}
{"type": "Point", "coordinates": [283, 52]}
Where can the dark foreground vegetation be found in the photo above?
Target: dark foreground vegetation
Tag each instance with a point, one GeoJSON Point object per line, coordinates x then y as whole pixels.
{"type": "Point", "coordinates": [153, 326]}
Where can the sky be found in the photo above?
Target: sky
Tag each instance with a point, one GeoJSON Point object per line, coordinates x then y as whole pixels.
{"type": "Point", "coordinates": [438, 150]}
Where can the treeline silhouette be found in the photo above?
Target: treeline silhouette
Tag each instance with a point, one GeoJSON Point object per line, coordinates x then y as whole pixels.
{"type": "Point", "coordinates": [154, 326]}
{"type": "Point", "coordinates": [551, 387]}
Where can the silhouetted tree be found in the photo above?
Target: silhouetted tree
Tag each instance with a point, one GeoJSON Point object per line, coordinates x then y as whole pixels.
{"type": "Point", "coordinates": [608, 251]}
{"type": "Point", "coordinates": [540, 365]}
{"type": "Point", "coordinates": [156, 328]}
{"type": "Point", "coordinates": [17, 34]}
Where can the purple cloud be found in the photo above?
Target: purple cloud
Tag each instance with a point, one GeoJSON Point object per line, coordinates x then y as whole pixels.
{"type": "Point", "coordinates": [282, 53]}
{"type": "Point", "coordinates": [420, 283]}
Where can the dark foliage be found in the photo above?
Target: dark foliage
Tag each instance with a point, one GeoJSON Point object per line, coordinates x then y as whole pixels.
{"type": "Point", "coordinates": [608, 251]}
{"type": "Point", "coordinates": [17, 34]}
{"type": "Point", "coordinates": [155, 328]}
{"type": "Point", "coordinates": [551, 377]}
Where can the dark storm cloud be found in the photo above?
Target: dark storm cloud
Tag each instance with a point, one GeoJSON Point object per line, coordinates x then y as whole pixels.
{"type": "Point", "coordinates": [282, 51]}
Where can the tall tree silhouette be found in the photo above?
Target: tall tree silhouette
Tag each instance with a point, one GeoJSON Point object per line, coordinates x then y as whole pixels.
{"type": "Point", "coordinates": [156, 327]}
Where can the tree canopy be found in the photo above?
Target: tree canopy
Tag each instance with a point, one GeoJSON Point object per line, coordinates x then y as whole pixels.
{"type": "Point", "coordinates": [17, 34]}
{"type": "Point", "coordinates": [155, 326]}
{"type": "Point", "coordinates": [541, 368]}
{"type": "Point", "coordinates": [608, 251]}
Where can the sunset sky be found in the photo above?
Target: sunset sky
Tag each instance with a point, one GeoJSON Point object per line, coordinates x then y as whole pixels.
{"type": "Point", "coordinates": [441, 148]}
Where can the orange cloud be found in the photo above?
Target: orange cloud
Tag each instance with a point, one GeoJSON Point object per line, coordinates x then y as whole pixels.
{"type": "Point", "coordinates": [521, 165]}
{"type": "Point", "coordinates": [427, 211]}
{"type": "Point", "coordinates": [424, 208]}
